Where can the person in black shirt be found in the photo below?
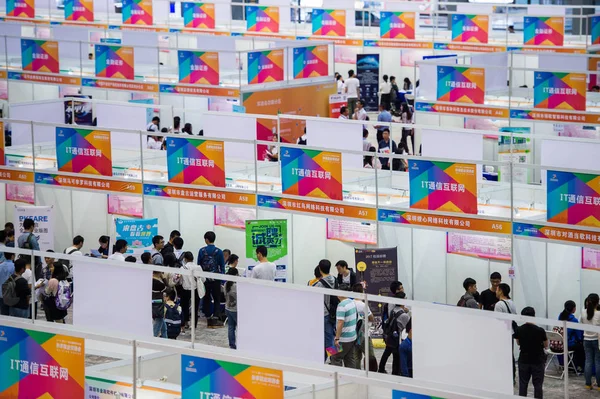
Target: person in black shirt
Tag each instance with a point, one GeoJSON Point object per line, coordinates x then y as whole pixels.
{"type": "Point", "coordinates": [532, 340]}
{"type": "Point", "coordinates": [22, 290]}
{"type": "Point", "coordinates": [487, 299]}
{"type": "Point", "coordinates": [169, 248]}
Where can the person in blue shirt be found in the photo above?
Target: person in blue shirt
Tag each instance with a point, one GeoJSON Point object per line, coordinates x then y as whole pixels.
{"type": "Point", "coordinates": [574, 337]}
{"type": "Point", "coordinates": [211, 259]}
{"type": "Point", "coordinates": [384, 116]}
{"type": "Point", "coordinates": [7, 269]}
{"type": "Point", "coordinates": [406, 364]}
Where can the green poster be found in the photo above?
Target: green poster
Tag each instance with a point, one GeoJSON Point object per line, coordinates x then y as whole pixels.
{"type": "Point", "coordinates": [270, 233]}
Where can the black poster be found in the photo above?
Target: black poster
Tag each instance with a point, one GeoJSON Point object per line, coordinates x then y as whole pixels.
{"type": "Point", "coordinates": [367, 71]}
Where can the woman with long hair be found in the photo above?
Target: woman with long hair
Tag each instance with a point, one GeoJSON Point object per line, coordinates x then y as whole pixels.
{"type": "Point", "coordinates": [231, 307]}
{"type": "Point", "coordinates": [574, 337]}
{"type": "Point", "coordinates": [591, 316]}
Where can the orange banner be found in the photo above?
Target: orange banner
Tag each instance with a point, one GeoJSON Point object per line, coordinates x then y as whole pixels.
{"type": "Point", "coordinates": [44, 78]}
{"type": "Point", "coordinates": [204, 32]}
{"type": "Point", "coordinates": [269, 36]}
{"type": "Point", "coordinates": [20, 176]}
{"type": "Point", "coordinates": [474, 48]}
{"type": "Point", "coordinates": [54, 179]}
{"type": "Point", "coordinates": [556, 233]}
{"type": "Point", "coordinates": [212, 196]}
{"type": "Point", "coordinates": [3, 74]}
{"type": "Point", "coordinates": [321, 208]}
{"type": "Point", "coordinates": [406, 44]}
{"type": "Point", "coordinates": [462, 110]}
{"type": "Point", "coordinates": [120, 85]}
{"type": "Point", "coordinates": [144, 29]}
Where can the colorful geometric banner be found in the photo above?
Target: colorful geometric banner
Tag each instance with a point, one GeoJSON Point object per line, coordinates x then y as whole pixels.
{"type": "Point", "coordinates": [199, 67]}
{"type": "Point", "coordinates": [443, 186]}
{"type": "Point", "coordinates": [557, 90]}
{"type": "Point", "coordinates": [470, 28]}
{"type": "Point", "coordinates": [137, 12]}
{"type": "Point", "coordinates": [20, 8]}
{"type": "Point", "coordinates": [397, 25]}
{"type": "Point", "coordinates": [310, 62]}
{"type": "Point", "coordinates": [83, 151]}
{"type": "Point", "coordinates": [195, 194]}
{"type": "Point", "coordinates": [543, 31]}
{"type": "Point", "coordinates": [311, 173]}
{"type": "Point", "coordinates": [208, 378]}
{"type": "Point", "coordinates": [262, 19]}
{"type": "Point", "coordinates": [573, 198]}
{"type": "Point", "coordinates": [328, 22]}
{"type": "Point", "coordinates": [199, 15]}
{"type": "Point", "coordinates": [319, 208]}
{"type": "Point", "coordinates": [460, 84]}
{"type": "Point", "coordinates": [543, 232]}
{"type": "Point", "coordinates": [191, 161]}
{"type": "Point", "coordinates": [79, 10]}
{"type": "Point", "coordinates": [595, 28]}
{"type": "Point", "coordinates": [39, 56]}
{"type": "Point", "coordinates": [37, 364]}
{"type": "Point", "coordinates": [114, 61]}
{"type": "Point", "coordinates": [265, 66]}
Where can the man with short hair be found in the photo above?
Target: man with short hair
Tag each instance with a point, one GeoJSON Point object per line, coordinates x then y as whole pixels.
{"type": "Point", "coordinates": [120, 249]}
{"type": "Point", "coordinates": [346, 274]}
{"type": "Point", "coordinates": [169, 246]}
{"type": "Point", "coordinates": [344, 112]}
{"type": "Point", "coordinates": [384, 116]}
{"type": "Point", "coordinates": [158, 243]}
{"type": "Point", "coordinates": [468, 299]}
{"type": "Point", "coordinates": [330, 282]}
{"type": "Point", "coordinates": [22, 290]}
{"type": "Point", "coordinates": [360, 114]}
{"type": "Point", "coordinates": [226, 254]}
{"type": "Point", "coordinates": [153, 126]}
{"type": "Point", "coordinates": [399, 316]}
{"type": "Point", "coordinates": [211, 259]}
{"type": "Point", "coordinates": [146, 258]}
{"type": "Point", "coordinates": [406, 358]}
{"type": "Point", "coordinates": [264, 270]}
{"type": "Point", "coordinates": [386, 146]}
{"type": "Point", "coordinates": [28, 240]}
{"type": "Point", "coordinates": [75, 249]}
{"type": "Point", "coordinates": [488, 298]}
{"type": "Point", "coordinates": [352, 90]}
{"type": "Point", "coordinates": [7, 269]}
{"type": "Point", "coordinates": [532, 341]}
{"type": "Point", "coordinates": [178, 247]}
{"type": "Point", "coordinates": [345, 333]}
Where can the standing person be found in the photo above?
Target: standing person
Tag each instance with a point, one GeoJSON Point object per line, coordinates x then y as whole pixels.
{"type": "Point", "coordinates": [177, 250]}
{"type": "Point", "coordinates": [468, 299]}
{"type": "Point", "coordinates": [28, 240]}
{"type": "Point", "coordinates": [345, 332]}
{"type": "Point", "coordinates": [7, 269]}
{"type": "Point", "coordinates": [189, 286]}
{"type": "Point", "coordinates": [231, 307]}
{"type": "Point", "coordinates": [364, 313]}
{"type": "Point", "coordinates": [154, 142]}
{"type": "Point", "coordinates": [75, 250]}
{"type": "Point", "coordinates": [264, 270]}
{"type": "Point", "coordinates": [532, 340]}
{"type": "Point", "coordinates": [172, 314]}
{"type": "Point", "coordinates": [187, 128]}
{"type": "Point", "coordinates": [384, 90]}
{"type": "Point", "coordinates": [154, 125]}
{"type": "Point", "coordinates": [394, 98]}
{"type": "Point", "coordinates": [352, 90]}
{"type": "Point", "coordinates": [169, 247]}
{"type": "Point", "coordinates": [346, 274]}
{"type": "Point", "coordinates": [158, 242]}
{"type": "Point", "coordinates": [344, 112]}
{"type": "Point", "coordinates": [384, 116]}
{"type": "Point", "coordinates": [504, 303]}
{"type": "Point", "coordinates": [331, 302]}
{"type": "Point", "coordinates": [159, 327]}
{"type": "Point", "coordinates": [489, 298]}
{"type": "Point", "coordinates": [104, 242]}
{"type": "Point", "coordinates": [233, 262]}
{"type": "Point", "coordinates": [176, 128]}
{"type": "Point", "coordinates": [119, 251]}
{"type": "Point", "coordinates": [360, 114]}
{"type": "Point", "coordinates": [226, 255]}
{"type": "Point", "coordinates": [16, 292]}
{"type": "Point", "coordinates": [211, 259]}
{"type": "Point", "coordinates": [574, 337]}
{"type": "Point", "coordinates": [406, 363]}
{"type": "Point", "coordinates": [591, 316]}
{"type": "Point", "coordinates": [51, 291]}
{"type": "Point", "coordinates": [386, 146]}
{"type": "Point", "coordinates": [339, 83]}
{"type": "Point", "coordinates": [318, 276]}
{"type": "Point", "coordinates": [396, 322]}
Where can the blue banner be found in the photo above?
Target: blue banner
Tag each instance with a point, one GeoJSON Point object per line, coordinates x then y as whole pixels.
{"type": "Point", "coordinates": [137, 232]}
{"type": "Point", "coordinates": [367, 71]}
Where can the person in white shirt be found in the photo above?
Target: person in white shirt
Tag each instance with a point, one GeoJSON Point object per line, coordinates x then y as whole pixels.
{"type": "Point", "coordinates": [154, 126]}
{"type": "Point", "coordinates": [120, 249]}
{"type": "Point", "coordinates": [344, 112]}
{"type": "Point", "coordinates": [504, 304]}
{"type": "Point", "coordinates": [154, 143]}
{"type": "Point", "coordinates": [339, 83]}
{"type": "Point", "coordinates": [190, 284]}
{"type": "Point", "coordinates": [75, 249]}
{"type": "Point", "coordinates": [384, 90]}
{"type": "Point", "coordinates": [352, 90]}
{"type": "Point", "coordinates": [264, 270]}
{"type": "Point", "coordinates": [360, 114]}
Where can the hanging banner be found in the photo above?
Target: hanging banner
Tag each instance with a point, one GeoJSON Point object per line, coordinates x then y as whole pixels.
{"type": "Point", "coordinates": [265, 66]}
{"type": "Point", "coordinates": [542, 232]}
{"type": "Point", "coordinates": [556, 90]}
{"type": "Point", "coordinates": [229, 216]}
{"type": "Point", "coordinates": [199, 67]}
{"type": "Point", "coordinates": [349, 231]}
{"type": "Point", "coordinates": [126, 205]}
{"type": "Point", "coordinates": [208, 378]}
{"type": "Point", "coordinates": [79, 10]}
{"type": "Point", "coordinates": [573, 198]}
{"type": "Point", "coordinates": [460, 84]}
{"type": "Point", "coordinates": [595, 28]}
{"type": "Point", "coordinates": [20, 193]}
{"type": "Point", "coordinates": [20, 8]}
{"type": "Point", "coordinates": [470, 28]}
{"type": "Point", "coordinates": [311, 62]}
{"type": "Point", "coordinates": [43, 216]}
{"type": "Point", "coordinates": [590, 258]}
{"type": "Point", "coordinates": [137, 12]}
{"type": "Point", "coordinates": [39, 55]}
{"type": "Point", "coordinates": [397, 25]}
{"type": "Point", "coordinates": [273, 235]}
{"type": "Point", "coordinates": [262, 19]}
{"type": "Point", "coordinates": [137, 232]}
{"type": "Point", "coordinates": [199, 162]}
{"type": "Point", "coordinates": [54, 179]}
{"type": "Point", "coordinates": [319, 208]}
{"type": "Point", "coordinates": [207, 196]}
{"type": "Point", "coordinates": [83, 151]}
{"type": "Point", "coordinates": [199, 15]}
{"type": "Point", "coordinates": [37, 364]}
{"type": "Point", "coordinates": [311, 173]}
{"type": "Point", "coordinates": [517, 153]}
{"type": "Point", "coordinates": [114, 61]}
{"type": "Point", "coordinates": [328, 22]}
{"type": "Point", "coordinates": [103, 388]}
{"type": "Point", "coordinates": [443, 186]}
{"type": "Point", "coordinates": [479, 246]}
{"type": "Point", "coordinates": [367, 70]}
{"type": "Point", "coordinates": [543, 31]}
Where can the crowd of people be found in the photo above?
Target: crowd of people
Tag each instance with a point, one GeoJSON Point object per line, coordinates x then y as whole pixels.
{"type": "Point", "coordinates": [158, 142]}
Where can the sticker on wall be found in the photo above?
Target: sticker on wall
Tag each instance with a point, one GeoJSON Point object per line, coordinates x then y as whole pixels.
{"type": "Point", "coordinates": [137, 12]}
{"type": "Point", "coordinates": [595, 29]}
{"type": "Point", "coordinates": [262, 19]}
{"type": "Point", "coordinates": [328, 22]}
{"type": "Point", "coordinates": [79, 10]}
{"type": "Point", "coordinates": [311, 62]}
{"type": "Point", "coordinates": [573, 198]}
{"type": "Point", "coordinates": [556, 90]}
{"type": "Point", "coordinates": [543, 31]}
{"type": "Point", "coordinates": [39, 56]}
{"type": "Point", "coordinates": [114, 61]}
{"type": "Point", "coordinates": [470, 28]}
{"type": "Point", "coordinates": [397, 25]}
{"type": "Point", "coordinates": [199, 67]}
{"type": "Point", "coordinates": [199, 15]}
{"type": "Point", "coordinates": [20, 8]}
{"type": "Point", "coordinates": [443, 186]}
{"type": "Point", "coordinates": [311, 173]}
{"type": "Point", "coordinates": [200, 162]}
{"type": "Point", "coordinates": [460, 84]}
{"type": "Point", "coordinates": [590, 258]}
{"type": "Point", "coordinates": [83, 151]}
{"type": "Point", "coordinates": [265, 66]}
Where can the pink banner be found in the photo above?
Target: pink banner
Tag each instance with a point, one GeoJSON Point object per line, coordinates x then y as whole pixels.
{"type": "Point", "coordinates": [486, 247]}
{"type": "Point", "coordinates": [348, 231]}
{"type": "Point", "coordinates": [126, 205]}
{"type": "Point", "coordinates": [233, 217]}
{"type": "Point", "coordinates": [590, 258]}
{"type": "Point", "coordinates": [20, 193]}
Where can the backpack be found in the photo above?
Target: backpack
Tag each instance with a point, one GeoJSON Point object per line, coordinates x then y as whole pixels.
{"type": "Point", "coordinates": [462, 302]}
{"type": "Point", "coordinates": [9, 291]}
{"type": "Point", "coordinates": [64, 298]}
{"type": "Point", "coordinates": [334, 301]}
{"type": "Point", "coordinates": [67, 262]}
{"type": "Point", "coordinates": [389, 328]}
{"type": "Point", "coordinates": [173, 321]}
{"type": "Point", "coordinates": [207, 261]}
{"type": "Point", "coordinates": [360, 330]}
{"type": "Point", "coordinates": [514, 323]}
{"type": "Point", "coordinates": [27, 245]}
{"type": "Point", "coordinates": [179, 262]}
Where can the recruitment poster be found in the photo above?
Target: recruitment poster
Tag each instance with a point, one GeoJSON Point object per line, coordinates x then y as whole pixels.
{"type": "Point", "coordinates": [443, 186]}
{"type": "Point", "coordinates": [519, 152]}
{"type": "Point", "coordinates": [470, 28]}
{"type": "Point", "coordinates": [265, 66]}
{"type": "Point", "coordinates": [198, 67]}
{"type": "Point", "coordinates": [114, 61]}
{"type": "Point", "coordinates": [262, 19]}
{"type": "Point", "coordinates": [208, 378]}
{"type": "Point", "coordinates": [198, 15]}
{"type": "Point", "coordinates": [43, 216]}
{"type": "Point", "coordinates": [556, 90]}
{"type": "Point", "coordinates": [311, 173]}
{"type": "Point", "coordinates": [367, 71]}
{"type": "Point", "coordinates": [311, 62]}
{"type": "Point", "coordinates": [273, 235]}
{"type": "Point", "coordinates": [543, 31]}
{"type": "Point", "coordinates": [79, 10]}
{"type": "Point", "coordinates": [20, 193]}
{"type": "Point", "coordinates": [397, 25]}
{"type": "Point", "coordinates": [230, 216]}
{"type": "Point", "coordinates": [590, 258]}
{"type": "Point", "coordinates": [479, 246]}
{"type": "Point", "coordinates": [328, 22]}
{"type": "Point", "coordinates": [137, 232]}
{"type": "Point", "coordinates": [350, 231]}
{"type": "Point", "coordinates": [83, 151]}
{"type": "Point", "coordinates": [137, 12]}
{"type": "Point", "coordinates": [200, 162]}
{"type": "Point", "coordinates": [460, 84]}
{"type": "Point", "coordinates": [39, 56]}
{"type": "Point", "coordinates": [573, 198]}
{"type": "Point", "coordinates": [37, 364]}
